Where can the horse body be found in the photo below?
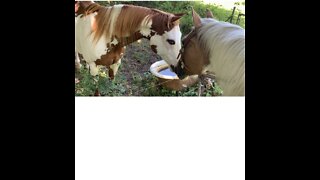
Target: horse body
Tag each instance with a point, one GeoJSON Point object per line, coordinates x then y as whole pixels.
{"type": "Point", "coordinates": [218, 48]}
{"type": "Point", "coordinates": [103, 32]}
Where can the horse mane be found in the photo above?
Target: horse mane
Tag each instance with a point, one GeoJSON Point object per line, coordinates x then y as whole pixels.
{"type": "Point", "coordinates": [224, 44]}
{"type": "Point", "coordinates": [122, 20]}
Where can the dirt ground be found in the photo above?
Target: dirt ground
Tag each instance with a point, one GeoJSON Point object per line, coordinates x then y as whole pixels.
{"type": "Point", "coordinates": [138, 58]}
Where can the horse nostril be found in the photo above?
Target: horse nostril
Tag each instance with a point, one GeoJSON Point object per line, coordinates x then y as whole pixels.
{"type": "Point", "coordinates": [180, 72]}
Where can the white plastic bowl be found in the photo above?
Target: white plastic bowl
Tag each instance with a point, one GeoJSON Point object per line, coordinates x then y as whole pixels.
{"type": "Point", "coordinates": [158, 66]}
{"type": "Point", "coordinates": [171, 82]}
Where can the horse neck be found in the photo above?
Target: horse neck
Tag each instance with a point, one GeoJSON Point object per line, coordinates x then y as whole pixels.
{"type": "Point", "coordinates": [224, 45]}
{"type": "Point", "coordinates": [229, 68]}
{"type": "Point", "coordinates": [124, 41]}
{"type": "Point", "coordinates": [131, 22]}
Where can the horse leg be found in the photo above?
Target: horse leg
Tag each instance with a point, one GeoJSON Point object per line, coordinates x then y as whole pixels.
{"type": "Point", "coordinates": [113, 69]}
{"type": "Point", "coordinates": [94, 69]}
{"type": "Point", "coordinates": [117, 55]}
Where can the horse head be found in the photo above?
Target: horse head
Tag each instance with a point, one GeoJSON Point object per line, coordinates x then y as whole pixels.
{"type": "Point", "coordinates": [193, 59]}
{"type": "Point", "coordinates": [165, 36]}
{"type": "Point", "coordinates": [214, 48]}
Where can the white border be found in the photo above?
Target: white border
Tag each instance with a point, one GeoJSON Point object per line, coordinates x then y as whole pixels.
{"type": "Point", "coordinates": [147, 138]}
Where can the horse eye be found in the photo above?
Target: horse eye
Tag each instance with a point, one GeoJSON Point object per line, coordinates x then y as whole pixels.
{"type": "Point", "coordinates": [170, 41]}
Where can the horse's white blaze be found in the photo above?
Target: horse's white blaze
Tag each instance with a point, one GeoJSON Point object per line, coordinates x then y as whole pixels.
{"type": "Point", "coordinates": [167, 51]}
{"type": "Point", "coordinates": [145, 29]}
{"type": "Point", "coordinates": [175, 35]}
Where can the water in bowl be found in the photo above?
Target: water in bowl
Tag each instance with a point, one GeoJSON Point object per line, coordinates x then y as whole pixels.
{"type": "Point", "coordinates": [167, 72]}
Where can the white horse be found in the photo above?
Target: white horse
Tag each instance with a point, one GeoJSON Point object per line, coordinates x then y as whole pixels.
{"type": "Point", "coordinates": [218, 48]}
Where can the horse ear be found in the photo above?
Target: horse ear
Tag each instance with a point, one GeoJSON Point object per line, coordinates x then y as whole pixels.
{"type": "Point", "coordinates": [209, 14]}
{"type": "Point", "coordinates": [196, 19]}
{"type": "Point", "coordinates": [176, 17]}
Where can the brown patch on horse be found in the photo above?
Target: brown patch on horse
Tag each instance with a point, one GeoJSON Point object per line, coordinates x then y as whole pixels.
{"type": "Point", "coordinates": [116, 51]}
{"type": "Point", "coordinates": [130, 19]}
{"type": "Point", "coordinates": [154, 48]}
{"type": "Point", "coordinates": [158, 19]}
{"type": "Point", "coordinates": [127, 40]}
{"type": "Point", "coordinates": [111, 73]}
{"type": "Point", "coordinates": [111, 57]}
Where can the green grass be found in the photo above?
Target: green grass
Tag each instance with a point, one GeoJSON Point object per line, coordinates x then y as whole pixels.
{"type": "Point", "coordinates": [142, 85]}
{"type": "Point", "coordinates": [88, 84]}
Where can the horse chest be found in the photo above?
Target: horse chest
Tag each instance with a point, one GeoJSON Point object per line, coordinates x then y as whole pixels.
{"type": "Point", "coordinates": [84, 40]}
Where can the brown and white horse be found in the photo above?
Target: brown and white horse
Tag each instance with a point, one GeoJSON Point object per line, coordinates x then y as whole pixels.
{"type": "Point", "coordinates": [103, 32]}
{"type": "Point", "coordinates": [218, 48]}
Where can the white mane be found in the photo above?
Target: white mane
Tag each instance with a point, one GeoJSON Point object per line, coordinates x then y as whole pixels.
{"type": "Point", "coordinates": [224, 43]}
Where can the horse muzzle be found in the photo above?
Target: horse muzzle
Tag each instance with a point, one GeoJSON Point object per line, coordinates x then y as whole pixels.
{"type": "Point", "coordinates": [179, 70]}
